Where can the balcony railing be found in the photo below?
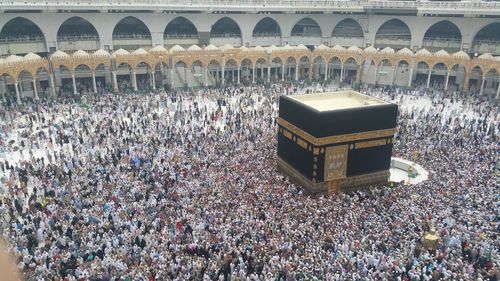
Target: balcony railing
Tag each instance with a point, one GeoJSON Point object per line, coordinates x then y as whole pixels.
{"type": "Point", "coordinates": [180, 36]}
{"type": "Point", "coordinates": [21, 39]}
{"type": "Point", "coordinates": [81, 37]}
{"type": "Point", "coordinates": [328, 4]}
{"type": "Point", "coordinates": [131, 36]}
{"type": "Point", "coordinates": [225, 35]}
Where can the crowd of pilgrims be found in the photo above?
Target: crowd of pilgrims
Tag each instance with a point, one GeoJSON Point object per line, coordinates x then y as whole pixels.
{"type": "Point", "coordinates": [182, 185]}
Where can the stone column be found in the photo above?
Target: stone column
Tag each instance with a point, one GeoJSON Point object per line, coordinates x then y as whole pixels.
{"type": "Point", "coordinates": [411, 76]}
{"type": "Point", "coordinates": [447, 80]}
{"type": "Point", "coordinates": [172, 77]}
{"type": "Point", "coordinates": [74, 83]}
{"type": "Point", "coordinates": [35, 90]}
{"type": "Point", "coordinates": [395, 70]}
{"type": "Point", "coordinates": [297, 72]}
{"type": "Point", "coordinates": [52, 85]}
{"type": "Point", "coordinates": [283, 72]}
{"type": "Point", "coordinates": [115, 82]}
{"type": "Point", "coordinates": [341, 72]}
{"type": "Point", "coordinates": [153, 80]}
{"type": "Point", "coordinates": [359, 72]}
{"type": "Point", "coordinates": [269, 73]}
{"type": "Point", "coordinates": [498, 91]}
{"type": "Point", "coordinates": [326, 71]}
{"type": "Point", "coordinates": [253, 75]}
{"type": "Point", "coordinates": [239, 69]}
{"type": "Point", "coordinates": [134, 80]}
{"type": "Point", "coordinates": [18, 95]}
{"type": "Point", "coordinates": [429, 78]}
{"type": "Point", "coordinates": [482, 85]}
{"type": "Point", "coordinates": [205, 75]}
{"type": "Point", "coordinates": [94, 85]}
{"type": "Point", "coordinates": [466, 81]}
{"type": "Point", "coordinates": [222, 73]}
{"type": "Point", "coordinates": [311, 70]}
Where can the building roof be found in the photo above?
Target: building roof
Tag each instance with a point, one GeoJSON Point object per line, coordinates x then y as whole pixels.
{"type": "Point", "coordinates": [337, 100]}
{"type": "Point", "coordinates": [140, 51]}
{"type": "Point", "coordinates": [226, 47]}
{"type": "Point", "coordinates": [405, 51]}
{"type": "Point", "coordinates": [461, 55]}
{"type": "Point", "coordinates": [80, 53]}
{"type": "Point", "coordinates": [442, 53]}
{"type": "Point", "coordinates": [370, 50]}
{"type": "Point", "coordinates": [387, 50]}
{"type": "Point", "coordinates": [354, 49]}
{"type": "Point", "coordinates": [158, 49]}
{"type": "Point", "coordinates": [101, 53]}
{"type": "Point", "coordinates": [59, 54]}
{"type": "Point", "coordinates": [423, 52]}
{"type": "Point", "coordinates": [194, 48]}
{"type": "Point", "coordinates": [13, 59]}
{"type": "Point", "coordinates": [120, 52]}
{"type": "Point", "coordinates": [211, 47]}
{"type": "Point", "coordinates": [32, 56]}
{"type": "Point", "coordinates": [177, 48]}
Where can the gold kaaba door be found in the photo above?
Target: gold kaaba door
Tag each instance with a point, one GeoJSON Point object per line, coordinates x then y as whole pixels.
{"type": "Point", "coordinates": [334, 186]}
{"type": "Point", "coordinates": [335, 167]}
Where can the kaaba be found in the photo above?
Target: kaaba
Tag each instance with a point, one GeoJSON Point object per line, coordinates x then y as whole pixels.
{"type": "Point", "coordinates": [336, 141]}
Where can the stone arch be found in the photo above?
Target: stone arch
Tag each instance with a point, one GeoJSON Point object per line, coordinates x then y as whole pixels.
{"type": "Point", "coordinates": [350, 70]}
{"type": "Point", "coordinates": [487, 39]}
{"type": "Point", "coordinates": [246, 68]}
{"type": "Point", "coordinates": [319, 67]}
{"type": "Point", "coordinates": [231, 62]}
{"type": "Point", "coordinates": [83, 77]}
{"type": "Point", "coordinates": [334, 68]}
{"type": "Point", "coordinates": [41, 74]}
{"type": "Point", "coordinates": [357, 60]}
{"type": "Point", "coordinates": [442, 35]}
{"type": "Point", "coordinates": [143, 63]}
{"type": "Point", "coordinates": [290, 67]}
{"type": "Point", "coordinates": [124, 76]}
{"type": "Point", "coordinates": [458, 73]}
{"type": "Point", "coordinates": [225, 27]}
{"type": "Point", "coordinates": [197, 62]}
{"type": "Point", "coordinates": [306, 27]}
{"type": "Point", "coordinates": [100, 71]}
{"type": "Point", "coordinates": [10, 87]}
{"type": "Point", "coordinates": [25, 80]}
{"type": "Point", "coordinates": [214, 69]}
{"type": "Point", "coordinates": [422, 72]}
{"type": "Point", "coordinates": [131, 33]}
{"type": "Point", "coordinates": [267, 27]}
{"type": "Point", "coordinates": [180, 27]}
{"type": "Point", "coordinates": [230, 70]}
{"type": "Point", "coordinates": [305, 70]}
{"type": "Point", "coordinates": [21, 29]}
{"type": "Point", "coordinates": [393, 33]}
{"type": "Point", "coordinates": [261, 68]}
{"type": "Point", "coordinates": [76, 27]}
{"type": "Point", "coordinates": [277, 69]}
{"type": "Point", "coordinates": [438, 72]}
{"type": "Point", "coordinates": [348, 28]}
{"type": "Point", "coordinates": [475, 78]}
{"type": "Point", "coordinates": [491, 83]}
{"type": "Point", "coordinates": [130, 25]}
{"type": "Point", "coordinates": [402, 73]}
